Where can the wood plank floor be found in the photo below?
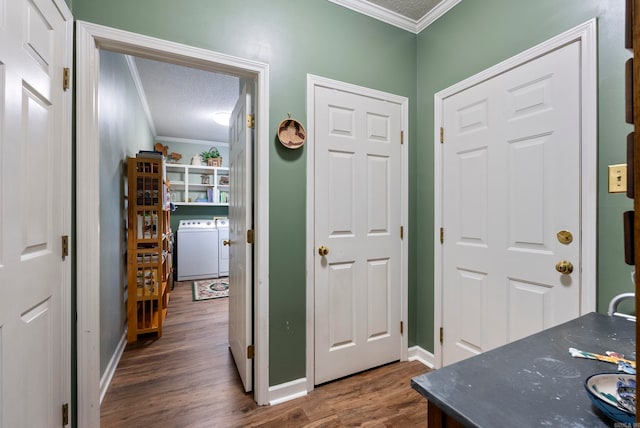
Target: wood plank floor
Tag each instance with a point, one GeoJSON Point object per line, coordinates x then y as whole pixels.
{"type": "Point", "coordinates": [188, 379]}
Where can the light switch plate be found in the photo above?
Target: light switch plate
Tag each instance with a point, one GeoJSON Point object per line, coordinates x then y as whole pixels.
{"type": "Point", "coordinates": [618, 178]}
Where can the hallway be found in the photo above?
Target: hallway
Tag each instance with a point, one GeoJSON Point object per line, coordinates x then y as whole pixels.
{"type": "Point", "coordinates": [188, 379]}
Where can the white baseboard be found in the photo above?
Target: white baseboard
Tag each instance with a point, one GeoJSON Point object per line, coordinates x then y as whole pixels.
{"type": "Point", "coordinates": [416, 353]}
{"type": "Point", "coordinates": [298, 388]}
{"type": "Point", "coordinates": [105, 381]}
{"type": "Point", "coordinates": [287, 391]}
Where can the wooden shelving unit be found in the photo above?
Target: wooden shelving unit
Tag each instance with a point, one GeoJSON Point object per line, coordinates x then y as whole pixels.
{"type": "Point", "coordinates": [149, 255]}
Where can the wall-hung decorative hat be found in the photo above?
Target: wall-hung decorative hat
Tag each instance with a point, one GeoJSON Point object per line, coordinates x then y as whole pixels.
{"type": "Point", "coordinates": [291, 133]}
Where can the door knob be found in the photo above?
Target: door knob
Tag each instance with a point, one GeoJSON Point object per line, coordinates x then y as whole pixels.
{"type": "Point", "coordinates": [564, 267]}
{"type": "Point", "coordinates": [323, 251]}
{"type": "Point", "coordinates": [226, 242]}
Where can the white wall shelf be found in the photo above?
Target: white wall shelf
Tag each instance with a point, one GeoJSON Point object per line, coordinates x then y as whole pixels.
{"type": "Point", "coordinates": [198, 185]}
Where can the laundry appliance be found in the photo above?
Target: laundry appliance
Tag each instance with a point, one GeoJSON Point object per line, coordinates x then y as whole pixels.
{"type": "Point", "coordinates": [197, 249]}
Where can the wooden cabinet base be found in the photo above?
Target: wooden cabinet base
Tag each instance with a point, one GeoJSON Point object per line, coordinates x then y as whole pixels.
{"type": "Point", "coordinates": [436, 418]}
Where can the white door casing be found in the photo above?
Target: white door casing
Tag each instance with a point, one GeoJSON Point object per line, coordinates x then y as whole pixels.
{"type": "Point", "coordinates": [240, 251]}
{"type": "Point", "coordinates": [90, 38]}
{"type": "Point", "coordinates": [359, 176]}
{"type": "Point", "coordinates": [35, 209]}
{"type": "Point", "coordinates": [511, 169]}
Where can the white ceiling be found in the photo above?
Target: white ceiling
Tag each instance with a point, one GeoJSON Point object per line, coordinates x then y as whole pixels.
{"type": "Point", "coordinates": [412, 9]}
{"type": "Point", "coordinates": [180, 101]}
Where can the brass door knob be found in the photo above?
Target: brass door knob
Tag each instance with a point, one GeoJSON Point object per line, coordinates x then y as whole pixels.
{"type": "Point", "coordinates": [564, 267]}
{"type": "Point", "coordinates": [323, 251]}
{"type": "Point", "coordinates": [226, 242]}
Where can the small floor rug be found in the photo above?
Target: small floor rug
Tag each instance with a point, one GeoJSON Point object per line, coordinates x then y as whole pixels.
{"type": "Point", "coordinates": [210, 289]}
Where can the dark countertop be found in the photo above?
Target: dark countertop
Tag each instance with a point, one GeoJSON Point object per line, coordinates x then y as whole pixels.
{"type": "Point", "coordinates": [533, 381]}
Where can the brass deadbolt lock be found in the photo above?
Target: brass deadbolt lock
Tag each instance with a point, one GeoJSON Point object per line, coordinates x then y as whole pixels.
{"type": "Point", "coordinates": [565, 237]}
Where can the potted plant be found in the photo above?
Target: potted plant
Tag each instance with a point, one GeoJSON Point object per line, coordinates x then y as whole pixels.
{"type": "Point", "coordinates": [211, 157]}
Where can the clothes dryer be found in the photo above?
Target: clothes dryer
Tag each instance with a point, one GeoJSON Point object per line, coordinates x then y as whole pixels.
{"type": "Point", "coordinates": [197, 249]}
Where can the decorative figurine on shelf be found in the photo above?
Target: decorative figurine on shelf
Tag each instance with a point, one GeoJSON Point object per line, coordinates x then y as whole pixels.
{"type": "Point", "coordinates": [174, 157]}
{"type": "Point", "coordinates": [211, 157]}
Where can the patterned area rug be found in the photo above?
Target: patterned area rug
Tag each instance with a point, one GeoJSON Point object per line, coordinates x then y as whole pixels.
{"type": "Point", "coordinates": [210, 289]}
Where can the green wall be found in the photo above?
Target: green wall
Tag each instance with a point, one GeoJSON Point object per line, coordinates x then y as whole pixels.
{"type": "Point", "coordinates": [294, 38]}
{"type": "Point", "coordinates": [475, 35]}
{"type": "Point", "coordinates": [319, 37]}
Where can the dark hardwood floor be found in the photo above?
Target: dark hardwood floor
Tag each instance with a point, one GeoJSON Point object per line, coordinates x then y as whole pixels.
{"type": "Point", "coordinates": [187, 378]}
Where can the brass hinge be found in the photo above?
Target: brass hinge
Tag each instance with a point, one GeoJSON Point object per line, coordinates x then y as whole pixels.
{"type": "Point", "coordinates": [441, 335]}
{"type": "Point", "coordinates": [251, 121]}
{"type": "Point", "coordinates": [250, 352]}
{"type": "Point", "coordinates": [65, 246]}
{"type": "Point", "coordinates": [442, 235]}
{"type": "Point", "coordinates": [65, 414]}
{"type": "Point", "coordinates": [66, 78]}
{"type": "Point", "coordinates": [401, 327]}
{"type": "Point", "coordinates": [401, 232]}
{"type": "Point", "coordinates": [401, 137]}
{"type": "Point", "coordinates": [250, 236]}
{"type": "Point", "coordinates": [441, 135]}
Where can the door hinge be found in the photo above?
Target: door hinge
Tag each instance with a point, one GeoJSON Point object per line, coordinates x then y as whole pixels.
{"type": "Point", "coordinates": [250, 236]}
{"type": "Point", "coordinates": [441, 335]}
{"type": "Point", "coordinates": [66, 78]}
{"type": "Point", "coordinates": [401, 137]}
{"type": "Point", "coordinates": [251, 121]}
{"type": "Point", "coordinates": [65, 246]}
{"type": "Point", "coordinates": [250, 352]}
{"type": "Point", "coordinates": [441, 135]}
{"type": "Point", "coordinates": [65, 414]}
{"type": "Point", "coordinates": [442, 235]}
{"type": "Point", "coordinates": [401, 232]}
{"type": "Point", "coordinates": [401, 327]}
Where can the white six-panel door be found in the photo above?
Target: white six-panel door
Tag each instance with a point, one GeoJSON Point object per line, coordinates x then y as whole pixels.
{"type": "Point", "coordinates": [511, 182]}
{"type": "Point", "coordinates": [34, 214]}
{"type": "Point", "coordinates": [240, 251]}
{"type": "Point", "coordinates": [357, 219]}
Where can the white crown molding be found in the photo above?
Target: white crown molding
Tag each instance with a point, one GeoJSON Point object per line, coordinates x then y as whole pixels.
{"type": "Point", "coordinates": [133, 69]}
{"type": "Point", "coordinates": [379, 13]}
{"type": "Point", "coordinates": [190, 141]}
{"type": "Point", "coordinates": [435, 13]}
{"type": "Point", "coordinates": [395, 19]}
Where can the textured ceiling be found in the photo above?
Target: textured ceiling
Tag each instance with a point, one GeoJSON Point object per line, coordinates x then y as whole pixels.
{"type": "Point", "coordinates": [182, 100]}
{"type": "Point", "coordinates": [413, 9]}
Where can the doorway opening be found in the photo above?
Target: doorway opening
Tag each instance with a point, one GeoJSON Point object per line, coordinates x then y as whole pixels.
{"type": "Point", "coordinates": [91, 39]}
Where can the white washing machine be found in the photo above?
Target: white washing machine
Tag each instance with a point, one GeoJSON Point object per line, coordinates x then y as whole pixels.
{"type": "Point", "coordinates": [222, 224]}
{"type": "Point", "coordinates": [197, 249]}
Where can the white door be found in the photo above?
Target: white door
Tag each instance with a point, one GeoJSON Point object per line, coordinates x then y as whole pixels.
{"type": "Point", "coordinates": [34, 214]}
{"type": "Point", "coordinates": [357, 219]}
{"type": "Point", "coordinates": [511, 183]}
{"type": "Point", "coordinates": [240, 251]}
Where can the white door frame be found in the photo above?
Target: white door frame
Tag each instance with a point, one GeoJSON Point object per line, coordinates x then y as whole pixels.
{"type": "Point", "coordinates": [90, 39]}
{"type": "Point", "coordinates": [312, 82]}
{"type": "Point", "coordinates": [586, 35]}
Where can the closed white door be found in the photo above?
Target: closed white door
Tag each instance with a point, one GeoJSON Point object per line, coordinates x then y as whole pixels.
{"type": "Point", "coordinates": [241, 251]}
{"type": "Point", "coordinates": [34, 214]}
{"type": "Point", "coordinates": [511, 197]}
{"type": "Point", "coordinates": [357, 232]}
